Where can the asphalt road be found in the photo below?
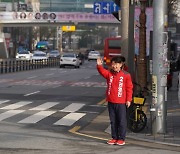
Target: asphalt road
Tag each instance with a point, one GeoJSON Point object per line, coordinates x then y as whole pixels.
{"type": "Point", "coordinates": [39, 107]}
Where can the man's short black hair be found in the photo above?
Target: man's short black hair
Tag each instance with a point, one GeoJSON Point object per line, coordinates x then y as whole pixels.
{"type": "Point", "coordinates": [118, 59]}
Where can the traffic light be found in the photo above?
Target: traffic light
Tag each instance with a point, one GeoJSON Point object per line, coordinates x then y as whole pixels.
{"type": "Point", "coordinates": [117, 14]}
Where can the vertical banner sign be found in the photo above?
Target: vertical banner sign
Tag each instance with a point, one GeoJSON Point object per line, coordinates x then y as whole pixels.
{"type": "Point", "coordinates": [154, 89]}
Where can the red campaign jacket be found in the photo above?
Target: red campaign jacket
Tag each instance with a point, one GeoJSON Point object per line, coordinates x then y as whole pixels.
{"type": "Point", "coordinates": [119, 85]}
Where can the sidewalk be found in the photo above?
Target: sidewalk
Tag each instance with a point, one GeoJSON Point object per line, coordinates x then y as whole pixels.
{"type": "Point", "coordinates": [172, 136]}
{"type": "Point", "coordinates": [99, 127]}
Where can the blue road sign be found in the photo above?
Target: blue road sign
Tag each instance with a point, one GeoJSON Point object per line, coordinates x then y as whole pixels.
{"type": "Point", "coordinates": [105, 7]}
{"type": "Point", "coordinates": [97, 8]}
{"type": "Point", "coordinates": [114, 7]}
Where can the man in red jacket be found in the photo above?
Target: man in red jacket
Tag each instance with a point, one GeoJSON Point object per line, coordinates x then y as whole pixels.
{"type": "Point", "coordinates": [119, 95]}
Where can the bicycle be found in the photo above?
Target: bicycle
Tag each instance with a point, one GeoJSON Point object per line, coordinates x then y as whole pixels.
{"type": "Point", "coordinates": [137, 119]}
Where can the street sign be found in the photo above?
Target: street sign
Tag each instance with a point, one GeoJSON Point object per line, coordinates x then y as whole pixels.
{"type": "Point", "coordinates": [68, 28]}
{"type": "Point", "coordinates": [105, 7]}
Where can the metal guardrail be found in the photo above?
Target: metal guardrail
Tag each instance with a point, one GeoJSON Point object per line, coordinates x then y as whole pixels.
{"type": "Point", "coordinates": [14, 65]}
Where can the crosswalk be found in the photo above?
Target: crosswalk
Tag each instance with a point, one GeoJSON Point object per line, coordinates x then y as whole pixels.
{"type": "Point", "coordinates": [50, 83]}
{"type": "Point", "coordinates": [65, 113]}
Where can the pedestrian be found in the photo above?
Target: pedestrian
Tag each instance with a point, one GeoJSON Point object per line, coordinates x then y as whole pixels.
{"type": "Point", "coordinates": [119, 95]}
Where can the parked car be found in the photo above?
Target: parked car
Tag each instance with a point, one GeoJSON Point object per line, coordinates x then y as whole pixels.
{"type": "Point", "coordinates": [41, 56]}
{"type": "Point", "coordinates": [87, 52]}
{"type": "Point", "coordinates": [93, 55]}
{"type": "Point", "coordinates": [24, 55]}
{"type": "Point", "coordinates": [69, 59]}
{"type": "Point", "coordinates": [54, 54]}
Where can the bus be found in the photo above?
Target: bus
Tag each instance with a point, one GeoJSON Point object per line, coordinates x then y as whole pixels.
{"type": "Point", "coordinates": [42, 46]}
{"type": "Point", "coordinates": [112, 47]}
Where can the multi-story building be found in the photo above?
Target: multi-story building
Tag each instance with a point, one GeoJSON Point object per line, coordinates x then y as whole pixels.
{"type": "Point", "coordinates": [21, 35]}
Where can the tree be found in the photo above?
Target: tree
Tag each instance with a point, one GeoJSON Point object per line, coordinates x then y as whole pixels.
{"type": "Point", "coordinates": [173, 7]}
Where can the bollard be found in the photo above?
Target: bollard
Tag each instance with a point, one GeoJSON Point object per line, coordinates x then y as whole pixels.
{"type": "Point", "coordinates": [20, 65]}
{"type": "Point", "coordinates": [5, 66]}
{"type": "Point", "coordinates": [26, 66]}
{"type": "Point", "coordinates": [48, 62]}
{"type": "Point", "coordinates": [17, 64]}
{"type": "Point", "coordinates": [29, 64]}
{"type": "Point", "coordinates": [1, 67]}
{"type": "Point", "coordinates": [23, 65]}
{"type": "Point", "coordinates": [9, 66]}
{"type": "Point", "coordinates": [13, 66]}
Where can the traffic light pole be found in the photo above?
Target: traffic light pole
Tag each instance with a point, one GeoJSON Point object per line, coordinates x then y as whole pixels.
{"type": "Point", "coordinates": [160, 67]}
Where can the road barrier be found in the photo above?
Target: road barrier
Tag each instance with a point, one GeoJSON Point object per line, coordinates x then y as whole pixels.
{"type": "Point", "coordinates": [15, 65]}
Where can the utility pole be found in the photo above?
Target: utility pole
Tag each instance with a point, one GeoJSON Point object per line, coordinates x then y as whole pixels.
{"type": "Point", "coordinates": [131, 48]}
{"type": "Point", "coordinates": [141, 59]}
{"type": "Point", "coordinates": [124, 27]}
{"type": "Point", "coordinates": [160, 67]}
{"type": "Point", "coordinates": [127, 32]}
{"type": "Point", "coordinates": [59, 39]}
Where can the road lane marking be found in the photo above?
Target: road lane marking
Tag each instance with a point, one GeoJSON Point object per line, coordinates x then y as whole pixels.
{"type": "Point", "coordinates": [75, 129]}
{"type": "Point", "coordinates": [63, 72]}
{"type": "Point", "coordinates": [72, 107]}
{"type": "Point", "coordinates": [102, 102]}
{"type": "Point", "coordinates": [4, 101]}
{"type": "Point", "coordinates": [37, 117]}
{"type": "Point", "coordinates": [9, 114]}
{"type": "Point", "coordinates": [56, 86]}
{"type": "Point", "coordinates": [44, 106]}
{"type": "Point", "coordinates": [32, 93]}
{"type": "Point", "coordinates": [173, 110]}
{"type": "Point", "coordinates": [69, 119]}
{"type": "Point", "coordinates": [49, 74]}
{"type": "Point", "coordinates": [16, 105]}
{"type": "Point", "coordinates": [32, 77]}
{"type": "Point", "coordinates": [87, 77]}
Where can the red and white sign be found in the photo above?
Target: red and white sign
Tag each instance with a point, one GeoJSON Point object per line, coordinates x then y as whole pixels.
{"type": "Point", "coordinates": [10, 17]}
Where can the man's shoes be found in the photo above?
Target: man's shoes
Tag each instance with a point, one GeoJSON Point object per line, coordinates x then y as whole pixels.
{"type": "Point", "coordinates": [112, 142]}
{"type": "Point", "coordinates": [120, 142]}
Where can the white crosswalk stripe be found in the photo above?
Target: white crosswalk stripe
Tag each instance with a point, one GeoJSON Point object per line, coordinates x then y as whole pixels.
{"type": "Point", "coordinates": [72, 107]}
{"type": "Point", "coordinates": [16, 105]}
{"type": "Point", "coordinates": [44, 106]}
{"type": "Point", "coordinates": [4, 101]}
{"type": "Point", "coordinates": [69, 119]}
{"type": "Point", "coordinates": [37, 117]}
{"type": "Point", "coordinates": [9, 114]}
{"type": "Point", "coordinates": [32, 113]}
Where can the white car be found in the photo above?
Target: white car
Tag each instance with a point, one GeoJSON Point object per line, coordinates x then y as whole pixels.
{"type": "Point", "coordinates": [24, 55]}
{"type": "Point", "coordinates": [93, 55]}
{"type": "Point", "coordinates": [69, 59]}
{"type": "Point", "coordinates": [41, 56]}
{"type": "Point", "coordinates": [54, 54]}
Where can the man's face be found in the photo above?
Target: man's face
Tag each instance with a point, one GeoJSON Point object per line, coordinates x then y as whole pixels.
{"type": "Point", "coordinates": [116, 66]}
